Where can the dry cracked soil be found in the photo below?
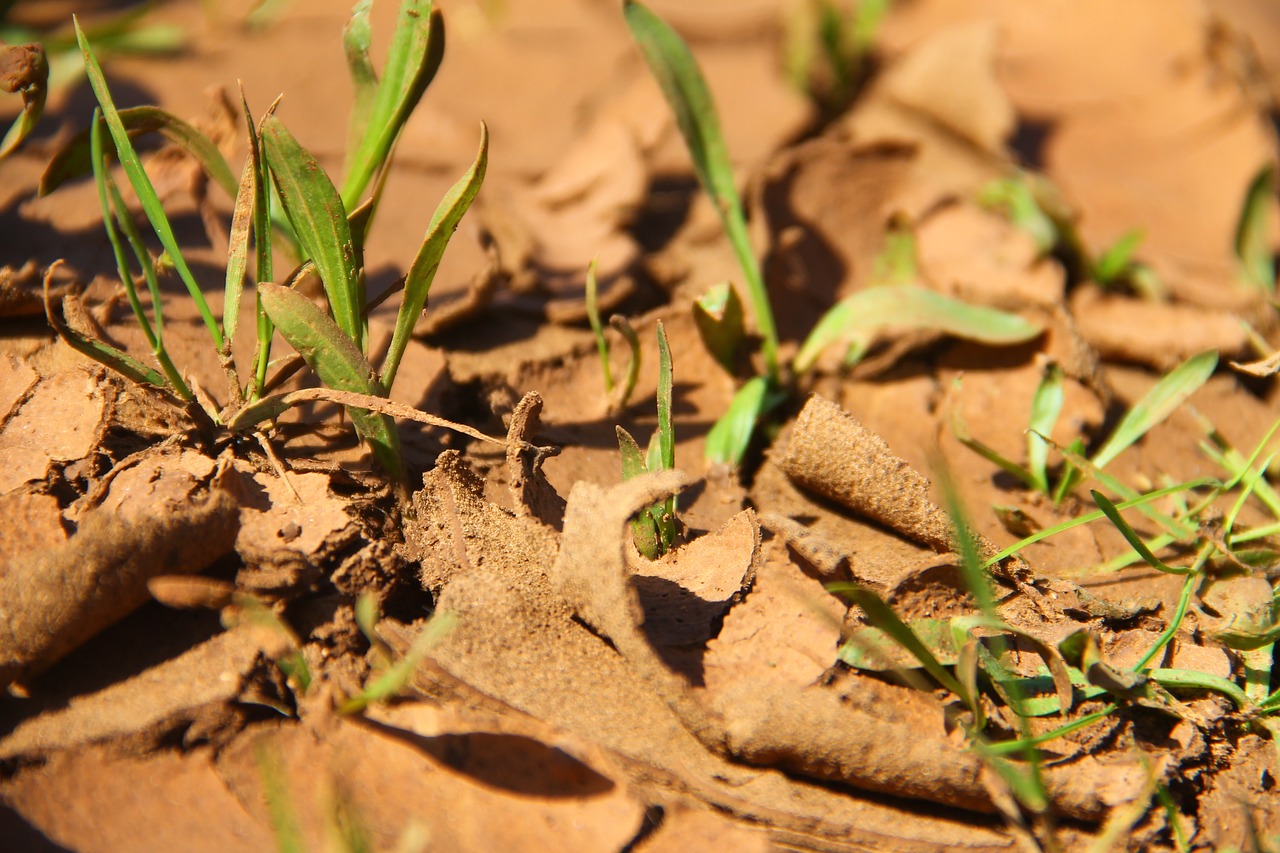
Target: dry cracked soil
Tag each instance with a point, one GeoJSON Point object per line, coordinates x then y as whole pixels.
{"type": "Point", "coordinates": [164, 584]}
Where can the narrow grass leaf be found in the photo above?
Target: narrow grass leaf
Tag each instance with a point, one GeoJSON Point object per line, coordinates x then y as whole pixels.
{"type": "Point", "coordinates": [26, 73]}
{"type": "Point", "coordinates": [916, 308]}
{"type": "Point", "coordinates": [1157, 404]}
{"type": "Point", "coordinates": [285, 825]}
{"type": "Point", "coordinates": [686, 92]}
{"type": "Point", "coordinates": [666, 433]}
{"type": "Point", "coordinates": [720, 322]}
{"type": "Point", "coordinates": [960, 429]}
{"type": "Point", "coordinates": [73, 159]}
{"type": "Point", "coordinates": [644, 529]}
{"type": "Point", "coordinates": [391, 682]}
{"type": "Point", "coordinates": [264, 261]}
{"type": "Point", "coordinates": [103, 353]}
{"type": "Point", "coordinates": [414, 56]}
{"type": "Point", "coordinates": [357, 36]}
{"type": "Point", "coordinates": [1130, 535]}
{"type": "Point", "coordinates": [335, 359]}
{"type": "Point", "coordinates": [1113, 262]}
{"type": "Point", "coordinates": [1188, 679]}
{"type": "Point", "coordinates": [423, 270]}
{"type": "Point", "coordinates": [1253, 232]}
{"type": "Point", "coordinates": [1094, 516]}
{"type": "Point", "coordinates": [320, 220]}
{"type": "Point", "coordinates": [730, 436]}
{"type": "Point", "coordinates": [621, 325]}
{"type": "Point", "coordinates": [881, 615]}
{"type": "Point", "coordinates": [142, 186]}
{"type": "Point", "coordinates": [597, 328]}
{"type": "Point", "coordinates": [1046, 406]}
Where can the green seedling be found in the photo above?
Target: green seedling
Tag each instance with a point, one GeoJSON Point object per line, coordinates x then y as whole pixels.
{"type": "Point", "coordinates": [327, 226]}
{"type": "Point", "coordinates": [828, 49]}
{"type": "Point", "coordinates": [1253, 233]}
{"type": "Point", "coordinates": [678, 76]}
{"type": "Point", "coordinates": [1033, 204]}
{"type": "Point", "coordinates": [654, 529]}
{"type": "Point", "coordinates": [618, 394]}
{"type": "Point", "coordinates": [1155, 406]}
{"type": "Point", "coordinates": [393, 679]}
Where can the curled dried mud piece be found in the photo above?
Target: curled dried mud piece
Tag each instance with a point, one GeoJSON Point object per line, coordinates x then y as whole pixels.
{"type": "Point", "coordinates": [814, 733]}
{"type": "Point", "coordinates": [833, 455]}
{"type": "Point", "coordinates": [53, 601]}
{"type": "Point", "coordinates": [815, 550]}
{"type": "Point", "coordinates": [531, 494]}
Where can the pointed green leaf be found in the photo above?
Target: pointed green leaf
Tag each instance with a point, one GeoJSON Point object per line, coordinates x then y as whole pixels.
{"type": "Point", "coordinates": [335, 359]}
{"type": "Point", "coordinates": [686, 92]}
{"type": "Point", "coordinates": [1113, 262]}
{"type": "Point", "coordinates": [730, 436]}
{"type": "Point", "coordinates": [72, 159]}
{"type": "Point", "coordinates": [417, 48]}
{"type": "Point", "coordinates": [318, 216]}
{"type": "Point", "coordinates": [1158, 403]}
{"type": "Point", "coordinates": [1253, 231]}
{"type": "Point", "coordinates": [916, 308]}
{"type": "Point", "coordinates": [423, 271]}
{"type": "Point", "coordinates": [597, 328]}
{"type": "Point", "coordinates": [357, 36]}
{"type": "Point", "coordinates": [1046, 406]}
{"type": "Point", "coordinates": [142, 186]}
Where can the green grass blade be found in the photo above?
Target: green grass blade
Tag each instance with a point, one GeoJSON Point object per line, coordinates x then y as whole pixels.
{"type": "Point", "coordinates": [1046, 406]}
{"type": "Point", "coordinates": [1131, 536]}
{"type": "Point", "coordinates": [682, 83]}
{"type": "Point", "coordinates": [103, 353]}
{"type": "Point", "coordinates": [357, 36]}
{"type": "Point", "coordinates": [423, 270]}
{"type": "Point", "coordinates": [960, 430]}
{"type": "Point", "coordinates": [320, 220]}
{"type": "Point", "coordinates": [623, 327]}
{"type": "Point", "coordinates": [391, 682]}
{"type": "Point", "coordinates": [1113, 262]}
{"type": "Point", "coordinates": [912, 307]}
{"type": "Point", "coordinates": [666, 433]}
{"type": "Point", "coordinates": [335, 359]}
{"type": "Point", "coordinates": [109, 199]}
{"type": "Point", "coordinates": [644, 530]}
{"type": "Point", "coordinates": [414, 56]}
{"type": "Point", "coordinates": [1041, 535]}
{"type": "Point", "coordinates": [28, 76]}
{"type": "Point", "coordinates": [1188, 679]}
{"type": "Point", "coordinates": [1158, 403]}
{"type": "Point", "coordinates": [142, 186]}
{"type": "Point", "coordinates": [881, 615]}
{"type": "Point", "coordinates": [597, 328]}
{"type": "Point", "coordinates": [1253, 232]}
{"type": "Point", "coordinates": [73, 159]}
{"type": "Point", "coordinates": [730, 436]}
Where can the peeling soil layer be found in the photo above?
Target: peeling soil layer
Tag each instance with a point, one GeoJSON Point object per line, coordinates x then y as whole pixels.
{"type": "Point", "coordinates": [179, 632]}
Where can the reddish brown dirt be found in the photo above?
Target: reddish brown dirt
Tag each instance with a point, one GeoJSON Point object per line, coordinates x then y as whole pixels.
{"type": "Point", "coordinates": [583, 697]}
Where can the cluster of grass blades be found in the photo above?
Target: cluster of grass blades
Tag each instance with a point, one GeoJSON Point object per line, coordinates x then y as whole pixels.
{"type": "Point", "coordinates": [968, 655]}
{"type": "Point", "coordinates": [827, 53]}
{"type": "Point", "coordinates": [655, 530]}
{"type": "Point", "coordinates": [1046, 407]}
{"type": "Point", "coordinates": [282, 190]}
{"type": "Point", "coordinates": [725, 333]}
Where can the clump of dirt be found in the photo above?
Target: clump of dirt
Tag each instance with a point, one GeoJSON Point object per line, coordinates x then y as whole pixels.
{"type": "Point", "coordinates": [186, 614]}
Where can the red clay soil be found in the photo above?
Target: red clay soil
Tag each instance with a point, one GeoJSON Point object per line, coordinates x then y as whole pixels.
{"type": "Point", "coordinates": [161, 581]}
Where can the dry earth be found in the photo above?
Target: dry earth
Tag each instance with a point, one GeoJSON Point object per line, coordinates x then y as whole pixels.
{"type": "Point", "coordinates": [584, 698]}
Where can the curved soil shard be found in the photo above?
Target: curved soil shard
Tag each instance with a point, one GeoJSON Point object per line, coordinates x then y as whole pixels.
{"type": "Point", "coordinates": [833, 455]}
{"type": "Point", "coordinates": [54, 600]}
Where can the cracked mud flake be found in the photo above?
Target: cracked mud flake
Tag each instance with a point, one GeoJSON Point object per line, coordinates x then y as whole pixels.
{"type": "Point", "coordinates": [61, 420]}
